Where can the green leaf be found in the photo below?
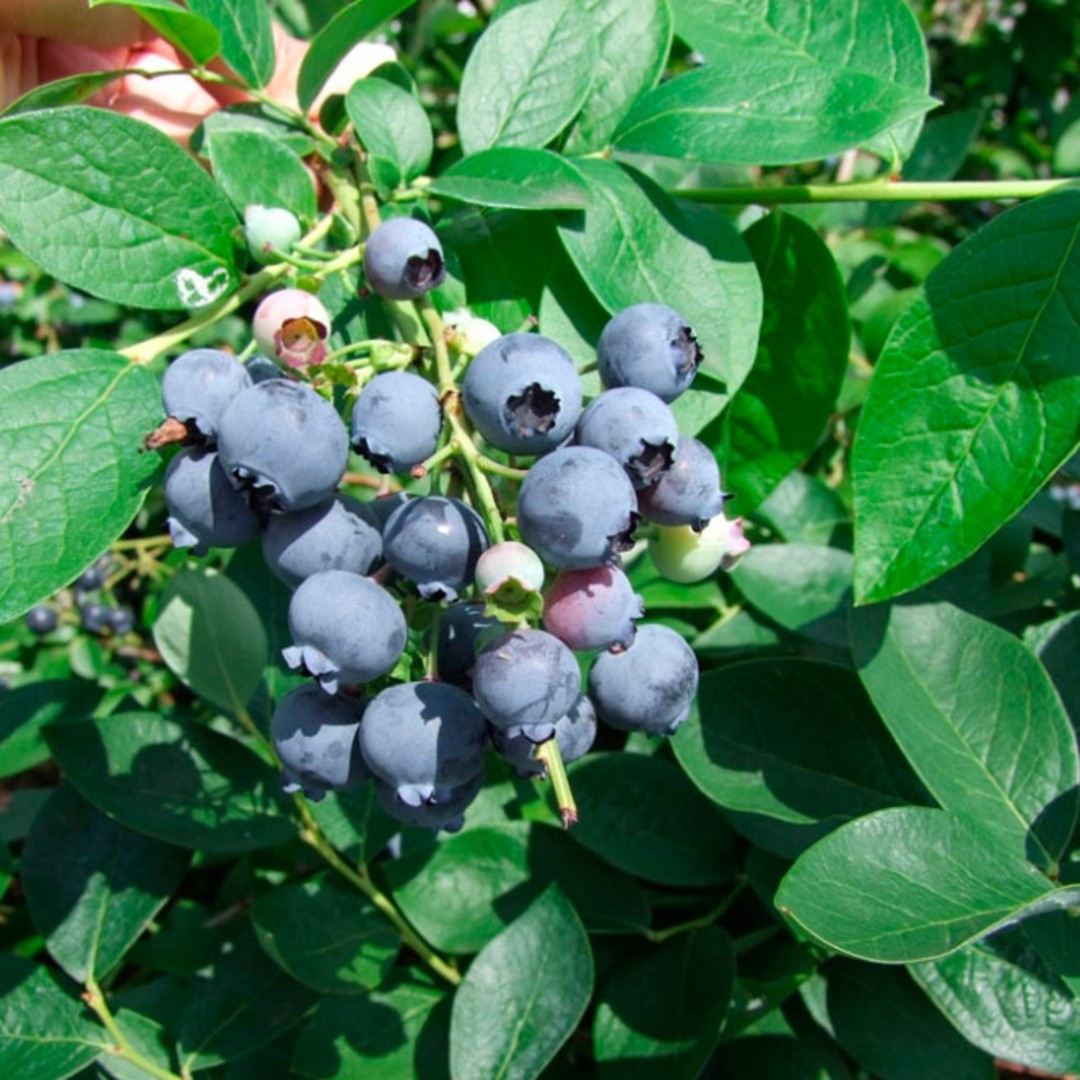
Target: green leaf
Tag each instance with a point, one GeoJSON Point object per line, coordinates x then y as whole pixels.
{"type": "Point", "coordinates": [176, 781]}
{"type": "Point", "coordinates": [660, 1011]}
{"type": "Point", "coordinates": [91, 885]}
{"type": "Point", "coordinates": [326, 935]}
{"type": "Point", "coordinates": [188, 31]}
{"type": "Point", "coordinates": [330, 45]}
{"type": "Point", "coordinates": [247, 40]}
{"type": "Point", "coordinates": [398, 1032]}
{"type": "Point", "coordinates": [793, 748]}
{"type": "Point", "coordinates": [889, 1027]}
{"type": "Point", "coordinates": [633, 38]}
{"type": "Point", "coordinates": [68, 91]}
{"type": "Point", "coordinates": [633, 245]}
{"type": "Point", "coordinates": [354, 823]}
{"type": "Point", "coordinates": [784, 83]}
{"type": "Point", "coordinates": [1006, 1000]}
{"type": "Point", "coordinates": [779, 415]}
{"type": "Point", "coordinates": [394, 129]}
{"type": "Point", "coordinates": [911, 883]}
{"type": "Point", "coordinates": [45, 1032]}
{"type": "Point", "coordinates": [464, 892]}
{"type": "Point", "coordinates": [978, 718]}
{"type": "Point", "coordinates": [527, 76]}
{"type": "Point", "coordinates": [250, 116]}
{"type": "Point", "coordinates": [72, 469]}
{"type": "Point", "coordinates": [138, 221]}
{"type": "Point", "coordinates": [244, 1003]}
{"type": "Point", "coordinates": [973, 402]}
{"type": "Point", "coordinates": [523, 995]}
{"type": "Point", "coordinates": [641, 815]}
{"type": "Point", "coordinates": [148, 1037]}
{"type": "Point", "coordinates": [516, 178]}
{"type": "Point", "coordinates": [211, 636]}
{"type": "Point", "coordinates": [27, 709]}
{"type": "Point", "coordinates": [257, 169]}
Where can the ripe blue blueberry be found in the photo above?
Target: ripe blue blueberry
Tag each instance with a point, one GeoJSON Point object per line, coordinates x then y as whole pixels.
{"type": "Point", "coordinates": [261, 368]}
{"type": "Point", "coordinates": [205, 510]}
{"type": "Point", "coordinates": [523, 394]}
{"type": "Point", "coordinates": [94, 617]}
{"type": "Point", "coordinates": [93, 577]}
{"type": "Point", "coordinates": [338, 534]}
{"type": "Point", "coordinates": [345, 629]}
{"type": "Point", "coordinates": [435, 542]}
{"type": "Point", "coordinates": [448, 815]}
{"type": "Point", "coordinates": [636, 428]}
{"type": "Point", "coordinates": [460, 628]}
{"type": "Point", "coordinates": [689, 492]}
{"type": "Point", "coordinates": [577, 508]}
{"type": "Point", "coordinates": [283, 444]}
{"type": "Point", "coordinates": [315, 736]}
{"type": "Point", "coordinates": [650, 346]}
{"type": "Point", "coordinates": [403, 259]}
{"type": "Point", "coordinates": [197, 389]}
{"type": "Point", "coordinates": [42, 619]}
{"type": "Point", "coordinates": [592, 609]}
{"type": "Point", "coordinates": [574, 733]}
{"type": "Point", "coordinates": [121, 619]}
{"type": "Point", "coordinates": [396, 421]}
{"type": "Point", "coordinates": [423, 739]}
{"type": "Point", "coordinates": [648, 687]}
{"type": "Point", "coordinates": [524, 681]}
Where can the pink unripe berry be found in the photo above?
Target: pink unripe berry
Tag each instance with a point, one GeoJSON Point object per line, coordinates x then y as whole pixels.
{"type": "Point", "coordinates": [593, 608]}
{"type": "Point", "coordinates": [292, 325]}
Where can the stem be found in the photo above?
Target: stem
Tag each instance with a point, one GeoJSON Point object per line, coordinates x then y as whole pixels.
{"type": "Point", "coordinates": [312, 835]}
{"type": "Point", "coordinates": [499, 469]}
{"type": "Point", "coordinates": [96, 1000]}
{"type": "Point", "coordinates": [549, 753]}
{"type": "Point", "coordinates": [658, 936]}
{"type": "Point", "coordinates": [881, 190]}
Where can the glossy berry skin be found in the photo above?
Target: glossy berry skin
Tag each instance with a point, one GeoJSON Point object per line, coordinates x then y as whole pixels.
{"type": "Point", "coordinates": [636, 428]}
{"type": "Point", "coordinates": [396, 421]}
{"type": "Point", "coordinates": [448, 815]}
{"type": "Point", "coordinates": [403, 259]}
{"type": "Point", "coordinates": [292, 325]}
{"type": "Point", "coordinates": [269, 230]}
{"type": "Point", "coordinates": [577, 508]}
{"type": "Point", "coordinates": [345, 629]}
{"type": "Point", "coordinates": [93, 577]}
{"type": "Point", "coordinates": [650, 346]}
{"type": "Point", "coordinates": [689, 492]}
{"type": "Point", "coordinates": [315, 736]}
{"type": "Point", "coordinates": [524, 681]}
{"type": "Point", "coordinates": [198, 387]}
{"type": "Point", "coordinates": [334, 535]}
{"type": "Point", "coordinates": [592, 609]}
{"type": "Point", "coordinates": [460, 628]}
{"type": "Point", "coordinates": [574, 733]}
{"type": "Point", "coordinates": [435, 542]}
{"type": "Point", "coordinates": [648, 687]}
{"type": "Point", "coordinates": [205, 510]}
{"type": "Point", "coordinates": [523, 394]}
{"type": "Point", "coordinates": [94, 617]}
{"type": "Point", "coordinates": [283, 444]}
{"type": "Point", "coordinates": [42, 619]}
{"type": "Point", "coordinates": [423, 739]}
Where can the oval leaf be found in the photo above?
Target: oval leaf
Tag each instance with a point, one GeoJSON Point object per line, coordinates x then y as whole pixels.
{"type": "Point", "coordinates": [72, 469]}
{"type": "Point", "coordinates": [967, 703]}
{"type": "Point", "coordinates": [247, 39]}
{"type": "Point", "coordinates": [188, 31]}
{"type": "Point", "coordinates": [527, 76]}
{"type": "Point", "coordinates": [179, 782]}
{"type": "Point", "coordinates": [27, 709]}
{"type": "Point", "coordinates": [253, 168]}
{"type": "Point", "coordinates": [973, 403]}
{"type": "Point", "coordinates": [516, 178]}
{"type": "Point", "coordinates": [138, 221]}
{"type": "Point", "coordinates": [523, 995]}
{"type": "Point", "coordinates": [393, 128]}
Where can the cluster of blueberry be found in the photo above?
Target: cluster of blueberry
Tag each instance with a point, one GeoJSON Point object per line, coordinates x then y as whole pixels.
{"type": "Point", "coordinates": [94, 615]}
{"type": "Point", "coordinates": [265, 454]}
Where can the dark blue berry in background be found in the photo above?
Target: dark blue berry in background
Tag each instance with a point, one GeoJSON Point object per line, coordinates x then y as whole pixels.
{"type": "Point", "coordinates": [42, 619]}
{"type": "Point", "coordinates": [396, 421]}
{"type": "Point", "coordinates": [94, 617]}
{"type": "Point", "coordinates": [121, 619]}
{"type": "Point", "coordinates": [460, 627]}
{"type": "Point", "coordinates": [575, 733]}
{"type": "Point", "coordinates": [448, 815]}
{"type": "Point", "coordinates": [403, 259]}
{"type": "Point", "coordinates": [649, 346]}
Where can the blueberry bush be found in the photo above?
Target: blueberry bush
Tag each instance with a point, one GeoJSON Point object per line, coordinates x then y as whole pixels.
{"type": "Point", "coordinates": [561, 563]}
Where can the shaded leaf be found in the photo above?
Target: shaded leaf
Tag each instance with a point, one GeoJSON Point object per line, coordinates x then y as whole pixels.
{"type": "Point", "coordinates": [187, 30]}
{"type": "Point", "coordinates": [514, 177]}
{"type": "Point", "coordinates": [247, 40]}
{"type": "Point", "coordinates": [27, 709]}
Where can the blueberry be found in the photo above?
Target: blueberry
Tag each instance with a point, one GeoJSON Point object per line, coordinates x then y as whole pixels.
{"type": "Point", "coordinates": [94, 617]}
{"type": "Point", "coordinates": [396, 421]}
{"type": "Point", "coordinates": [636, 428]}
{"type": "Point", "coordinates": [577, 508]}
{"type": "Point", "coordinates": [435, 542]}
{"type": "Point", "coordinates": [121, 619]}
{"type": "Point", "coordinates": [315, 736]}
{"type": "Point", "coordinates": [261, 368]}
{"type": "Point", "coordinates": [448, 815]}
{"type": "Point", "coordinates": [42, 619]}
{"type": "Point", "coordinates": [381, 509]}
{"type": "Point", "coordinates": [524, 681]}
{"type": "Point", "coordinates": [649, 346]}
{"type": "Point", "coordinates": [574, 733]}
{"type": "Point", "coordinates": [268, 231]}
{"type": "Point", "coordinates": [334, 535]}
{"type": "Point", "coordinates": [205, 510]}
{"type": "Point", "coordinates": [403, 259]}
{"type": "Point", "coordinates": [93, 577]}
{"type": "Point", "coordinates": [523, 394]}
{"type": "Point", "coordinates": [592, 609]}
{"type": "Point", "coordinates": [689, 492]}
{"type": "Point", "coordinates": [292, 325]}
{"type": "Point", "coordinates": [460, 628]}
{"type": "Point", "coordinates": [197, 389]}
{"type": "Point", "coordinates": [648, 687]}
{"type": "Point", "coordinates": [283, 444]}
{"type": "Point", "coordinates": [423, 739]}
{"type": "Point", "coordinates": [345, 629]}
